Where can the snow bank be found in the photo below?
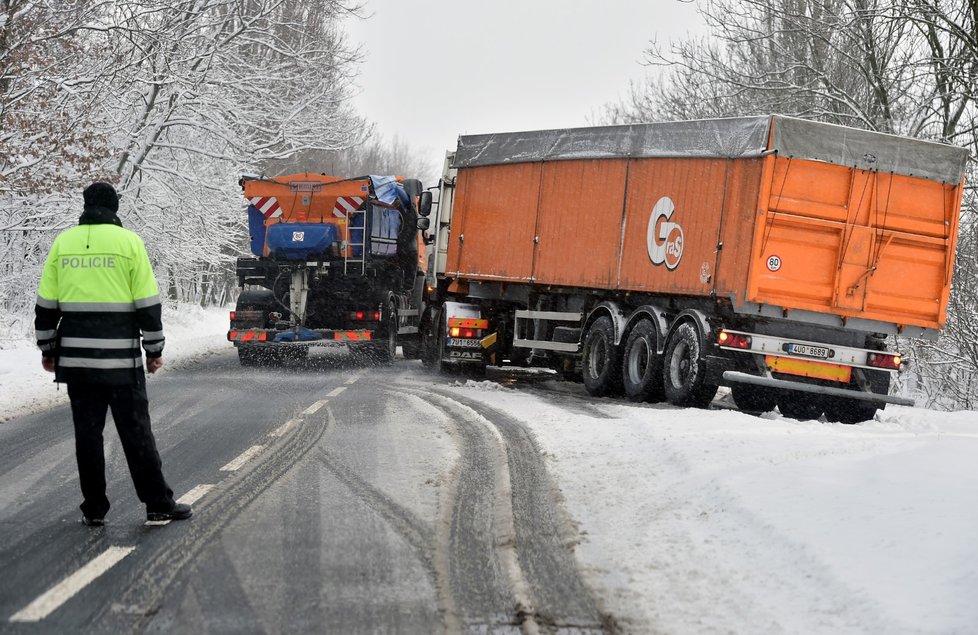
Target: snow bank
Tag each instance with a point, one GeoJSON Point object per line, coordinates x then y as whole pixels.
{"type": "Point", "coordinates": [191, 332]}
{"type": "Point", "coordinates": [698, 521]}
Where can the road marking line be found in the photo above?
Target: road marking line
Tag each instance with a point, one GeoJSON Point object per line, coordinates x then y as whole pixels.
{"type": "Point", "coordinates": [243, 458]}
{"type": "Point", "coordinates": [189, 498]}
{"type": "Point", "coordinates": [352, 380]}
{"type": "Point", "coordinates": [336, 391]}
{"type": "Point", "coordinates": [60, 593]}
{"type": "Point", "coordinates": [314, 407]}
{"type": "Point", "coordinates": [285, 427]}
{"type": "Point", "coordinates": [195, 494]}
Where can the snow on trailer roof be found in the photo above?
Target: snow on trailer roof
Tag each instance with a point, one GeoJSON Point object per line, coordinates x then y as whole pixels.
{"type": "Point", "coordinates": [739, 137]}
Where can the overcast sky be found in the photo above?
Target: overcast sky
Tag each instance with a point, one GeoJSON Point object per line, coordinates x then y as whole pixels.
{"type": "Point", "coordinates": [436, 69]}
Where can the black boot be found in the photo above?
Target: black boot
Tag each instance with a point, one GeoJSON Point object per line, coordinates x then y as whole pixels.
{"type": "Point", "coordinates": [179, 511]}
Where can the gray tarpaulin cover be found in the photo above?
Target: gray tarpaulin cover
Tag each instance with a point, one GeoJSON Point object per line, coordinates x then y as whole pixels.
{"type": "Point", "coordinates": [868, 150]}
{"type": "Point", "coordinates": [724, 138]}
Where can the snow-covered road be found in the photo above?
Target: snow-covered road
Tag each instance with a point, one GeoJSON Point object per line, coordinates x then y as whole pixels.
{"type": "Point", "coordinates": [709, 521]}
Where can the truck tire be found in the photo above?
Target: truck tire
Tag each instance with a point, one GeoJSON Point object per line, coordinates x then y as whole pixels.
{"type": "Point", "coordinates": [428, 336]}
{"type": "Point", "coordinates": [383, 352]}
{"type": "Point", "coordinates": [849, 411]}
{"type": "Point", "coordinates": [436, 352]}
{"type": "Point", "coordinates": [642, 365]}
{"type": "Point", "coordinates": [799, 405]}
{"type": "Point", "coordinates": [754, 398]}
{"type": "Point", "coordinates": [380, 351]}
{"type": "Point", "coordinates": [255, 300]}
{"type": "Point", "coordinates": [411, 348]}
{"type": "Point", "coordinates": [601, 359]}
{"type": "Point", "coordinates": [684, 374]}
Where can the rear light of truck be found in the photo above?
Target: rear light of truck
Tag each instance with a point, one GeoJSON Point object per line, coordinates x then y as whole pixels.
{"type": "Point", "coordinates": [467, 328]}
{"type": "Point", "coordinates": [247, 336]}
{"type": "Point", "coordinates": [887, 361]}
{"type": "Point", "coordinates": [232, 316]}
{"type": "Point", "coordinates": [365, 315]}
{"type": "Point", "coordinates": [733, 340]}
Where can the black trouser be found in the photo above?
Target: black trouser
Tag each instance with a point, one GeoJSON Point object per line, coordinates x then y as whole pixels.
{"type": "Point", "coordinates": [130, 410]}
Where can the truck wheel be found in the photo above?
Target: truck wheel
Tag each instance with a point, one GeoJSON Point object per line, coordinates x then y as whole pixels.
{"type": "Point", "coordinates": [601, 359]}
{"type": "Point", "coordinates": [429, 337]}
{"type": "Point", "coordinates": [684, 376]}
{"type": "Point", "coordinates": [642, 365]}
{"type": "Point", "coordinates": [754, 398]}
{"type": "Point", "coordinates": [255, 300]}
{"type": "Point", "coordinates": [411, 348]}
{"type": "Point", "coordinates": [383, 351]}
{"type": "Point", "coordinates": [438, 363]}
{"type": "Point", "coordinates": [799, 405]}
{"type": "Point", "coordinates": [841, 410]}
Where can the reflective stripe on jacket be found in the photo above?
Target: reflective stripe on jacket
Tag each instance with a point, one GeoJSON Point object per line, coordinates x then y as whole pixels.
{"type": "Point", "coordinates": [97, 294]}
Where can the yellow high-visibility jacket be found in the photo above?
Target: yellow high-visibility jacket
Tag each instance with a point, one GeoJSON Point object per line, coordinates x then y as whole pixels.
{"type": "Point", "coordinates": [96, 296]}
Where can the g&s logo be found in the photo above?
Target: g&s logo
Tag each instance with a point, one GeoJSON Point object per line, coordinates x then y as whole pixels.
{"type": "Point", "coordinates": [665, 239]}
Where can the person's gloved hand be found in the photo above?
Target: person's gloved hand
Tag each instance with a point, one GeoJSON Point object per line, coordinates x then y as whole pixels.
{"type": "Point", "coordinates": [47, 363]}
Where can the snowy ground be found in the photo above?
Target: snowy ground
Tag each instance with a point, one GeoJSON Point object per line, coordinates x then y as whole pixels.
{"type": "Point", "coordinates": [191, 333]}
{"type": "Point", "coordinates": [714, 521]}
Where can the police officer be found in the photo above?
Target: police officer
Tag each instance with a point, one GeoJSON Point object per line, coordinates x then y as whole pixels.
{"type": "Point", "coordinates": [97, 294]}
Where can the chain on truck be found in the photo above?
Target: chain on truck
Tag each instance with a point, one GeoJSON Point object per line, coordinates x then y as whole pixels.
{"type": "Point", "coordinates": [335, 262]}
{"type": "Point", "coordinates": [773, 255]}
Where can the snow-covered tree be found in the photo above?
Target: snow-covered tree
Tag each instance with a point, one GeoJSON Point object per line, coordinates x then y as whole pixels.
{"type": "Point", "coordinates": [170, 101]}
{"type": "Point", "coordinates": [52, 138]}
{"type": "Point", "coordinates": [376, 155]}
{"type": "Point", "coordinates": [207, 88]}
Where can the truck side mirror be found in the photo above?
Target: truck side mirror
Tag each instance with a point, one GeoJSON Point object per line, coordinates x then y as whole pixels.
{"type": "Point", "coordinates": [424, 204]}
{"type": "Point", "coordinates": [424, 223]}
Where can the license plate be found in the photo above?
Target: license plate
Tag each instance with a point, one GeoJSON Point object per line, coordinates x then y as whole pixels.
{"type": "Point", "coordinates": [809, 351]}
{"type": "Point", "coordinates": [806, 368]}
{"type": "Point", "coordinates": [464, 343]}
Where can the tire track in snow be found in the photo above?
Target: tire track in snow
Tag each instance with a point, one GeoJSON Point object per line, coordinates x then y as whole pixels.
{"type": "Point", "coordinates": [507, 546]}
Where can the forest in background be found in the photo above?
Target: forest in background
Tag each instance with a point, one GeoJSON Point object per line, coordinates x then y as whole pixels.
{"type": "Point", "coordinates": [172, 101]}
{"type": "Point", "coordinates": [907, 67]}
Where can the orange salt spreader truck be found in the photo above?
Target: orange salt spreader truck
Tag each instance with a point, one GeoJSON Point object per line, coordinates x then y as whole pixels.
{"type": "Point", "coordinates": [335, 262]}
{"type": "Point", "coordinates": [774, 255]}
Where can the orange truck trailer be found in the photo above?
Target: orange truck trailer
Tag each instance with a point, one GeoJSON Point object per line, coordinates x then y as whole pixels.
{"type": "Point", "coordinates": [335, 262]}
{"type": "Point", "coordinates": [771, 254]}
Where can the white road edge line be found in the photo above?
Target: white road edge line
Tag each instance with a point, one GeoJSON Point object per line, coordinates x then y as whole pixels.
{"type": "Point", "coordinates": [60, 593]}
{"type": "Point", "coordinates": [285, 427]}
{"type": "Point", "coordinates": [189, 498]}
{"type": "Point", "coordinates": [195, 494]}
{"type": "Point", "coordinates": [314, 407]}
{"type": "Point", "coordinates": [243, 458]}
{"type": "Point", "coordinates": [336, 391]}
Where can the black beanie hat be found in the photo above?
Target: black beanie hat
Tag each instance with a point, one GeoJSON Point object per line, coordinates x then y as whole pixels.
{"type": "Point", "coordinates": [101, 194]}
